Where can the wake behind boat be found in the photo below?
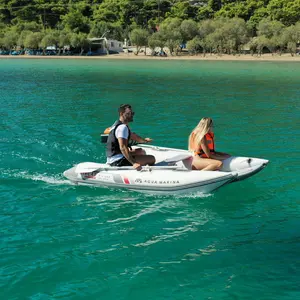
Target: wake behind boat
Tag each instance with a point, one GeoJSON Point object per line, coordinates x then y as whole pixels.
{"type": "Point", "coordinates": [172, 173]}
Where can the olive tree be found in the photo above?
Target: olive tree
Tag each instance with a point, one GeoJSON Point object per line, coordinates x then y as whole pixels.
{"type": "Point", "coordinates": [156, 40]}
{"type": "Point", "coordinates": [49, 39]}
{"type": "Point", "coordinates": [79, 40]}
{"type": "Point", "coordinates": [33, 40]}
{"type": "Point", "coordinates": [188, 29]}
{"type": "Point", "coordinates": [194, 46]}
{"type": "Point", "coordinates": [139, 38]}
{"type": "Point", "coordinates": [170, 29]}
{"type": "Point", "coordinates": [10, 39]}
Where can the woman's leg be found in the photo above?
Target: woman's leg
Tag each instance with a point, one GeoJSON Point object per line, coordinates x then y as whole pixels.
{"type": "Point", "coordinates": [206, 164]}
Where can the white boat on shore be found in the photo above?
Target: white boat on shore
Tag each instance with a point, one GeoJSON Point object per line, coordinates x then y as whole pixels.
{"type": "Point", "coordinates": [172, 173]}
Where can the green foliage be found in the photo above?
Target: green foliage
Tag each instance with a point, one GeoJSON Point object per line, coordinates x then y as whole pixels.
{"type": "Point", "coordinates": [33, 40]}
{"type": "Point", "coordinates": [269, 28]}
{"type": "Point", "coordinates": [170, 30]}
{"type": "Point", "coordinates": [204, 13]}
{"type": "Point", "coordinates": [64, 38]}
{"type": "Point", "coordinates": [215, 5]}
{"type": "Point", "coordinates": [182, 10]}
{"type": "Point", "coordinates": [194, 46]}
{"type": "Point", "coordinates": [241, 9]}
{"type": "Point", "coordinates": [286, 11]}
{"type": "Point", "coordinates": [105, 29]}
{"type": "Point", "coordinates": [50, 38]}
{"type": "Point", "coordinates": [77, 15]}
{"type": "Point", "coordinates": [139, 38]}
{"type": "Point", "coordinates": [79, 40]}
{"type": "Point", "coordinates": [157, 39]}
{"type": "Point", "coordinates": [10, 39]}
{"type": "Point", "coordinates": [22, 37]}
{"type": "Point", "coordinates": [188, 29]}
{"type": "Point", "coordinates": [108, 11]}
{"type": "Point", "coordinates": [216, 25]}
{"type": "Point", "coordinates": [75, 20]}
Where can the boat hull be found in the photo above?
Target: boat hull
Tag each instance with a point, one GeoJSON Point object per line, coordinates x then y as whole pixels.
{"type": "Point", "coordinates": [154, 181]}
{"type": "Point", "coordinates": [172, 173]}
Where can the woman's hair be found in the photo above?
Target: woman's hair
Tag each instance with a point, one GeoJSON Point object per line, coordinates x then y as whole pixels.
{"type": "Point", "coordinates": [199, 132]}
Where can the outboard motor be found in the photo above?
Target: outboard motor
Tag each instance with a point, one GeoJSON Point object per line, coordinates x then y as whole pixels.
{"type": "Point", "coordinates": [104, 135]}
{"type": "Point", "coordinates": [103, 138]}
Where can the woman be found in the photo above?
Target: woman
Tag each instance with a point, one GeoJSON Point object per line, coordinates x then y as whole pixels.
{"type": "Point", "coordinates": [202, 144]}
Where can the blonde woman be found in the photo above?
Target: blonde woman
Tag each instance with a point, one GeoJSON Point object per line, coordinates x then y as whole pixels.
{"type": "Point", "coordinates": [202, 144]}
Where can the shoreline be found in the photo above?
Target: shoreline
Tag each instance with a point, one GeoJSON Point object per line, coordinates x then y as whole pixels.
{"type": "Point", "coordinates": [131, 56]}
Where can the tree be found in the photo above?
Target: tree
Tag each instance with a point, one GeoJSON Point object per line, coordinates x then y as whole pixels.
{"type": "Point", "coordinates": [194, 45]}
{"type": "Point", "coordinates": [79, 40]}
{"type": "Point", "coordinates": [108, 11]}
{"type": "Point", "coordinates": [170, 29]}
{"type": "Point", "coordinates": [104, 29]}
{"type": "Point", "coordinates": [289, 37]}
{"type": "Point", "coordinates": [237, 34]}
{"type": "Point", "coordinates": [139, 38]}
{"type": "Point", "coordinates": [50, 38]}
{"type": "Point", "coordinates": [22, 38]}
{"type": "Point", "coordinates": [188, 29]}
{"type": "Point", "coordinates": [33, 40]}
{"type": "Point", "coordinates": [64, 39]}
{"type": "Point", "coordinates": [215, 4]}
{"type": "Point", "coordinates": [285, 11]}
{"type": "Point", "coordinates": [75, 21]}
{"type": "Point", "coordinates": [156, 40]}
{"type": "Point", "coordinates": [10, 39]}
{"type": "Point", "coordinates": [28, 26]}
{"type": "Point", "coordinates": [204, 12]}
{"type": "Point", "coordinates": [258, 44]}
{"type": "Point", "coordinates": [182, 10]}
{"type": "Point", "coordinates": [269, 28]}
{"type": "Point", "coordinates": [292, 48]}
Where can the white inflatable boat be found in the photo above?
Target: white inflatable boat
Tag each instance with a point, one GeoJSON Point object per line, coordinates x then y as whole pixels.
{"type": "Point", "coordinates": [171, 174]}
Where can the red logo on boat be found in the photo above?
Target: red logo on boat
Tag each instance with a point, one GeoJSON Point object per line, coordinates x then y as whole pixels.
{"type": "Point", "coordinates": [126, 180]}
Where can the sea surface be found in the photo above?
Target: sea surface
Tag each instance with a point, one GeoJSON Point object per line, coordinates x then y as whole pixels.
{"type": "Point", "coordinates": [61, 241]}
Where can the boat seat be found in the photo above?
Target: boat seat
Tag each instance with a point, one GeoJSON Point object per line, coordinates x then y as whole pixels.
{"type": "Point", "coordinates": [174, 159]}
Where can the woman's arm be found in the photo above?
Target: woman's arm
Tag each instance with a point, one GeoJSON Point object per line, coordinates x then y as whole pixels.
{"type": "Point", "coordinates": [215, 155]}
{"type": "Point", "coordinates": [205, 148]}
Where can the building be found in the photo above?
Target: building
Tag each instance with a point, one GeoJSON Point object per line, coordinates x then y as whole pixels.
{"type": "Point", "coordinates": [103, 45]}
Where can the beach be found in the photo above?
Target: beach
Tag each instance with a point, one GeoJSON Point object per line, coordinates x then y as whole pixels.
{"type": "Point", "coordinates": [225, 57]}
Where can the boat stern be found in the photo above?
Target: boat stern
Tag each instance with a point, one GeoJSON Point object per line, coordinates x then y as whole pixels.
{"type": "Point", "coordinates": [71, 174]}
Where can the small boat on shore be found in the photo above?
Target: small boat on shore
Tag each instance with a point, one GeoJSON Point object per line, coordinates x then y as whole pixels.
{"type": "Point", "coordinates": [172, 173]}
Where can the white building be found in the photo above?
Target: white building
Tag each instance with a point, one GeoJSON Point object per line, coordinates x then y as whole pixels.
{"type": "Point", "coordinates": [105, 46]}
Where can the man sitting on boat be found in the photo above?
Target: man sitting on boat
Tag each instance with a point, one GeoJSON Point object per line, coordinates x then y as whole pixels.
{"type": "Point", "coordinates": [117, 149]}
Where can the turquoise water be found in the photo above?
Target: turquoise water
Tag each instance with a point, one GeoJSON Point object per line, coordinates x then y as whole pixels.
{"type": "Point", "coordinates": [60, 241]}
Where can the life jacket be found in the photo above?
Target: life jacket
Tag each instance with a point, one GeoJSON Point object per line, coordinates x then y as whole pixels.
{"type": "Point", "coordinates": [112, 145]}
{"type": "Point", "coordinates": [210, 138]}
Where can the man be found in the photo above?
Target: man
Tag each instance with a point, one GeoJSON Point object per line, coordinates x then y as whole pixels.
{"type": "Point", "coordinates": [117, 150]}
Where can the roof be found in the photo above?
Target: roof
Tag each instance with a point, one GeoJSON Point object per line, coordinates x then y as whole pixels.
{"type": "Point", "coordinates": [95, 39]}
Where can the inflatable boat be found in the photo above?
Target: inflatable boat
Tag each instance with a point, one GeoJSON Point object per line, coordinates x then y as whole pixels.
{"type": "Point", "coordinates": [172, 173]}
